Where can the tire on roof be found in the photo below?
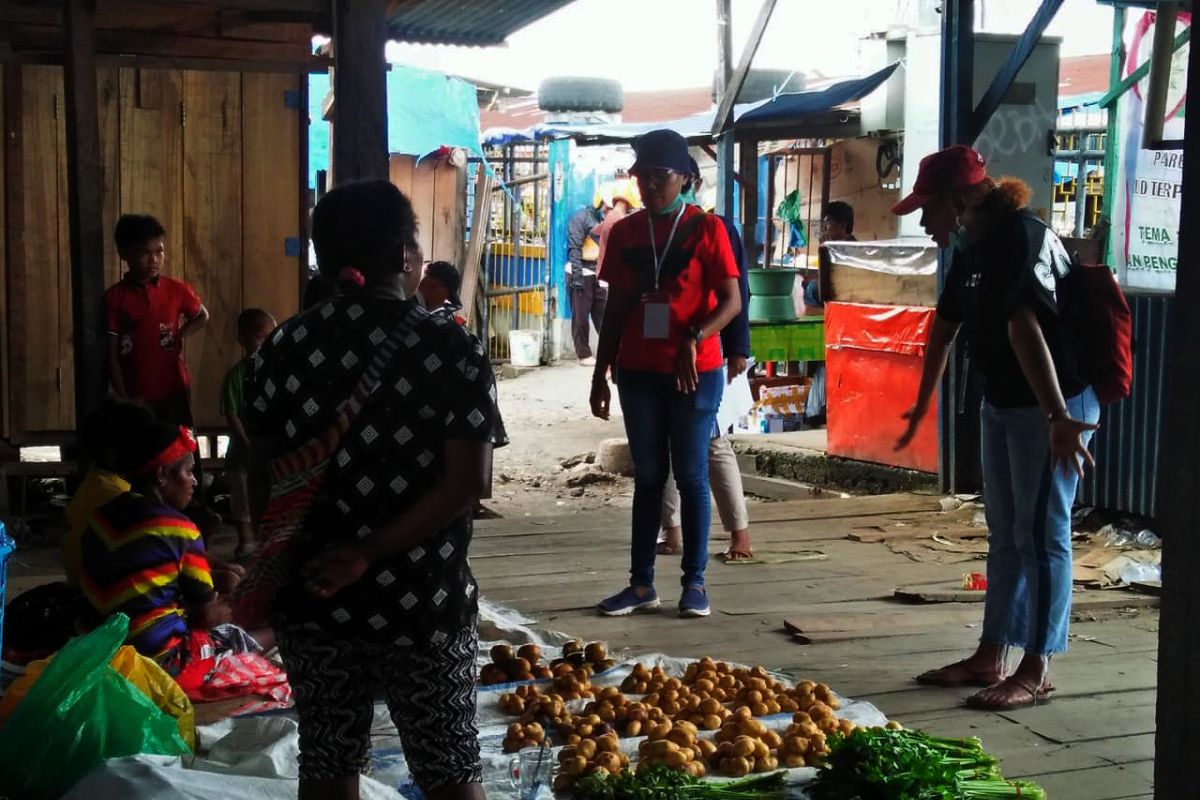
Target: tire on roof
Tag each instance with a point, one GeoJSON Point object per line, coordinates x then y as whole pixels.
{"type": "Point", "coordinates": [761, 84]}
{"type": "Point", "coordinates": [581, 94]}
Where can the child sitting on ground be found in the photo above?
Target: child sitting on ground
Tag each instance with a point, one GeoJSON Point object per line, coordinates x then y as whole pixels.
{"type": "Point", "coordinates": [142, 556]}
{"type": "Point", "coordinates": [253, 327]}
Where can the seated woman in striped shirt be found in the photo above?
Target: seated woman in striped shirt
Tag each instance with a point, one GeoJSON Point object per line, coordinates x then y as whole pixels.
{"type": "Point", "coordinates": [142, 556]}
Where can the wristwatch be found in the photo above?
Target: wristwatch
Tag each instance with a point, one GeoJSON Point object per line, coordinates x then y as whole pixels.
{"type": "Point", "coordinates": [696, 334]}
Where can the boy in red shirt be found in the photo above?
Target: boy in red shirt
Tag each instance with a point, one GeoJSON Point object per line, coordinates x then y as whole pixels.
{"type": "Point", "coordinates": [148, 316]}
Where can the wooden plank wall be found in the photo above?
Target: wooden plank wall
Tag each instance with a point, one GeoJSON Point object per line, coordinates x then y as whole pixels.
{"type": "Point", "coordinates": [214, 155]}
{"type": "Point", "coordinates": [270, 194]}
{"type": "Point", "coordinates": [212, 225]}
{"type": "Point", "coordinates": [37, 270]}
{"type": "Point", "coordinates": [439, 197]}
{"type": "Point", "coordinates": [4, 364]}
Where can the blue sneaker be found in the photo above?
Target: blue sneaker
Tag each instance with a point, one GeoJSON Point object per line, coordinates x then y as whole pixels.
{"type": "Point", "coordinates": [694, 602]}
{"type": "Point", "coordinates": [627, 601]}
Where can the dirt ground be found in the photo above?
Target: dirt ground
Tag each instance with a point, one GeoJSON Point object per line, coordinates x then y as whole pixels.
{"type": "Point", "coordinates": [549, 423]}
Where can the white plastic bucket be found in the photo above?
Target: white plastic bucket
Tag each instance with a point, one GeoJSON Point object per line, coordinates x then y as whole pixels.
{"type": "Point", "coordinates": [525, 348]}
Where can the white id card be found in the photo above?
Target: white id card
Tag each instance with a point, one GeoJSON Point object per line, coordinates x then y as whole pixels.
{"type": "Point", "coordinates": [656, 320]}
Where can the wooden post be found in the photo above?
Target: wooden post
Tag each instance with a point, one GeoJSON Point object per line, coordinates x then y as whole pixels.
{"type": "Point", "coordinates": [748, 155]}
{"type": "Point", "coordinates": [360, 150]}
{"type": "Point", "coordinates": [1177, 736]}
{"type": "Point", "coordinates": [85, 193]}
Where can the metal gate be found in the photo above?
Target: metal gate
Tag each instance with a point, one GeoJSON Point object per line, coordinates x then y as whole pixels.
{"type": "Point", "coordinates": [515, 263]}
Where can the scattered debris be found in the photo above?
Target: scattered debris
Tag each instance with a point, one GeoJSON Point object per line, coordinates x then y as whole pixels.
{"type": "Point", "coordinates": [576, 460]}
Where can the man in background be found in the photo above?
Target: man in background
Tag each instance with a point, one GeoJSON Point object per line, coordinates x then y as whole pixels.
{"type": "Point", "coordinates": [588, 294]}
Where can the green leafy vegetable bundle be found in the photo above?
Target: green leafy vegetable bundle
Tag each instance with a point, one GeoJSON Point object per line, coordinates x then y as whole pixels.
{"type": "Point", "coordinates": [663, 783]}
{"type": "Point", "coordinates": [885, 764]}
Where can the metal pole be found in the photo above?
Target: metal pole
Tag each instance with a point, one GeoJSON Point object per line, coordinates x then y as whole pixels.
{"type": "Point", "coordinates": [1111, 137]}
{"type": "Point", "coordinates": [724, 142]}
{"type": "Point", "coordinates": [1177, 734]}
{"type": "Point", "coordinates": [1080, 188]}
{"type": "Point", "coordinates": [958, 70]}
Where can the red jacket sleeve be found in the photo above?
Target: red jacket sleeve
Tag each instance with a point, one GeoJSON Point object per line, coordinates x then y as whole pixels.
{"type": "Point", "coordinates": [720, 265]}
{"type": "Point", "coordinates": [613, 269]}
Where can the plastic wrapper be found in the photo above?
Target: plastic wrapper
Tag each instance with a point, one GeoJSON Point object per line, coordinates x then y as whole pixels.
{"type": "Point", "coordinates": [78, 713]}
{"type": "Point", "coordinates": [142, 672]}
{"type": "Point", "coordinates": [891, 256]}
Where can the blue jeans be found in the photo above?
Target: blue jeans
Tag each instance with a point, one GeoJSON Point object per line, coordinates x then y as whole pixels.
{"type": "Point", "coordinates": [1028, 508]}
{"type": "Point", "coordinates": [667, 427]}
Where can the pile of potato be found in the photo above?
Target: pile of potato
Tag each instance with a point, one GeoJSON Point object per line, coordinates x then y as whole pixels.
{"type": "Point", "coordinates": [672, 714]}
{"type": "Point", "coordinates": [677, 745]}
{"type": "Point", "coordinates": [525, 664]}
{"type": "Point", "coordinates": [745, 745]}
{"type": "Point", "coordinates": [589, 757]}
{"type": "Point", "coordinates": [521, 735]}
{"type": "Point", "coordinates": [644, 681]}
{"type": "Point", "coordinates": [594, 655]}
{"type": "Point", "coordinates": [507, 666]}
{"type": "Point", "coordinates": [530, 704]}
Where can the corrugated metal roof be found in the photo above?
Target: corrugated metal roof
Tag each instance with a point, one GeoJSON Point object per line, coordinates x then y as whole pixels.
{"type": "Point", "coordinates": [465, 22]}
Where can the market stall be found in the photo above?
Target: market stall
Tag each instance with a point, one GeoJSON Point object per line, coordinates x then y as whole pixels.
{"type": "Point", "coordinates": [881, 298]}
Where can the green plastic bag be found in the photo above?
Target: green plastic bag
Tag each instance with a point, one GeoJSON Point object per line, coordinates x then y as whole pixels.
{"type": "Point", "coordinates": [791, 212]}
{"type": "Point", "coordinates": [78, 713]}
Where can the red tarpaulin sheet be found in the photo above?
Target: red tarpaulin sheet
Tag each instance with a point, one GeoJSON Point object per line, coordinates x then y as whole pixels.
{"type": "Point", "coordinates": [873, 360]}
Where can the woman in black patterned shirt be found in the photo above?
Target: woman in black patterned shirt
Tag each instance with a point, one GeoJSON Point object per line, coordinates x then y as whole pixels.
{"type": "Point", "coordinates": [384, 603]}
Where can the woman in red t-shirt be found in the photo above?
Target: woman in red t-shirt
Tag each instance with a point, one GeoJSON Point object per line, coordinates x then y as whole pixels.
{"type": "Point", "coordinates": [673, 285]}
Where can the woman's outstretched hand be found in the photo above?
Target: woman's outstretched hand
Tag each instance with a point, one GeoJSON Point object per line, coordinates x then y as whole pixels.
{"type": "Point", "coordinates": [1066, 444]}
{"type": "Point", "coordinates": [686, 377]}
{"type": "Point", "coordinates": [601, 397]}
{"type": "Point", "coordinates": [914, 416]}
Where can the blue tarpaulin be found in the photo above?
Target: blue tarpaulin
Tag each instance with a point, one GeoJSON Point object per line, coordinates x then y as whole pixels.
{"type": "Point", "coordinates": [782, 109]}
{"type": "Point", "coordinates": [425, 110]}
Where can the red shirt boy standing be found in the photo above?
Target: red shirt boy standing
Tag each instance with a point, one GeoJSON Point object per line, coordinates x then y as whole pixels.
{"type": "Point", "coordinates": [148, 316]}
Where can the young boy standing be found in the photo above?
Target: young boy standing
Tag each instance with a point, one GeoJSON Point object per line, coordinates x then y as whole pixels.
{"type": "Point", "coordinates": [148, 316]}
{"type": "Point", "coordinates": [253, 327]}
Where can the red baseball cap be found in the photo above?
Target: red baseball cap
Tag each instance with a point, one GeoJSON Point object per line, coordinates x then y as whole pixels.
{"type": "Point", "coordinates": [955, 167]}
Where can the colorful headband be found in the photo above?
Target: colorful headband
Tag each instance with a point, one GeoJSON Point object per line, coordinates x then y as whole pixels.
{"type": "Point", "coordinates": [352, 275]}
{"type": "Point", "coordinates": [183, 444]}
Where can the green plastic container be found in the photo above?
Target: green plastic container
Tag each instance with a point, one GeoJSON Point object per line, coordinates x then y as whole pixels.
{"type": "Point", "coordinates": [772, 308]}
{"type": "Point", "coordinates": [772, 281]}
{"type": "Point", "coordinates": [771, 295]}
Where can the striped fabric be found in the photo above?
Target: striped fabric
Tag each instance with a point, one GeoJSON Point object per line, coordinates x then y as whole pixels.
{"type": "Point", "coordinates": [146, 560]}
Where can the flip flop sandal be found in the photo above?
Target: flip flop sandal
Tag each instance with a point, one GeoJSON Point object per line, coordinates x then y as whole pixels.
{"type": "Point", "coordinates": [732, 556]}
{"type": "Point", "coordinates": [666, 549]}
{"type": "Point", "coordinates": [983, 679]}
{"type": "Point", "coordinates": [1032, 697]}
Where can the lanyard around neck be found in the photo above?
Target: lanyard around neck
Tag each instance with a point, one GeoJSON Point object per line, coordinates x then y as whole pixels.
{"type": "Point", "coordinates": [658, 262]}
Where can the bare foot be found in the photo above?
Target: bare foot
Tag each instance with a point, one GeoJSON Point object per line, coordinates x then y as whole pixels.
{"type": "Point", "coordinates": [671, 542]}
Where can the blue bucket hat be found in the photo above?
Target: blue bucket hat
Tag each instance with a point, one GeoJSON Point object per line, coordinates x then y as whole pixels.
{"type": "Point", "coordinates": [661, 149]}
